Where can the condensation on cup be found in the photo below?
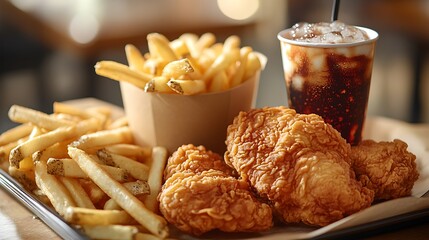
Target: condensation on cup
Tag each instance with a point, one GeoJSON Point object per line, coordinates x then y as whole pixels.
{"type": "Point", "coordinates": [327, 69]}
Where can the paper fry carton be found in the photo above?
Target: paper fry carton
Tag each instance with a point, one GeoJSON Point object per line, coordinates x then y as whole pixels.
{"type": "Point", "coordinates": [171, 120]}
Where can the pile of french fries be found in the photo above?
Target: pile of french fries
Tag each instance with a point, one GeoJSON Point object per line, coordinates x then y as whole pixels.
{"type": "Point", "coordinates": [85, 165]}
{"type": "Point", "coordinates": [188, 65]}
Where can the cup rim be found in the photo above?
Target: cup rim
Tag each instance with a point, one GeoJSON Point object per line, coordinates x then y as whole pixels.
{"type": "Point", "coordinates": [373, 36]}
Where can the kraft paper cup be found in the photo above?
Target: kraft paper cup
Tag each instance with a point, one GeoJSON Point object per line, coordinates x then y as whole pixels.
{"type": "Point", "coordinates": [171, 120]}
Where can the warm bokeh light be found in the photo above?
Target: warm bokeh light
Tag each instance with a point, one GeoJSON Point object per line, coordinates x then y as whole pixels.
{"type": "Point", "coordinates": [83, 28]}
{"type": "Point", "coordinates": [238, 9]}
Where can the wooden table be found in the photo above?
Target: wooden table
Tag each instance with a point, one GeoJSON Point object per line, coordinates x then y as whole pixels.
{"type": "Point", "coordinates": [16, 222]}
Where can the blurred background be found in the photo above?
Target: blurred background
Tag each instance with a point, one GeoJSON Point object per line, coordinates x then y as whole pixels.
{"type": "Point", "coordinates": [48, 48]}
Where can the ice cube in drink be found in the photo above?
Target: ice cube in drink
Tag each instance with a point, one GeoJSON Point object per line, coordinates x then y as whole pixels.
{"type": "Point", "coordinates": [327, 68]}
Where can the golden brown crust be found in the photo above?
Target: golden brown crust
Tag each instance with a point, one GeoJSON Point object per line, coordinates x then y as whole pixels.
{"type": "Point", "coordinates": [297, 162]}
{"type": "Point", "coordinates": [385, 167]}
{"type": "Point", "coordinates": [196, 159]}
{"type": "Point", "coordinates": [200, 195]}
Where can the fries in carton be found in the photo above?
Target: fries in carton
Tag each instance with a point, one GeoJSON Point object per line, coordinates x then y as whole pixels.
{"type": "Point", "coordinates": [187, 90]}
{"type": "Point", "coordinates": [171, 120]}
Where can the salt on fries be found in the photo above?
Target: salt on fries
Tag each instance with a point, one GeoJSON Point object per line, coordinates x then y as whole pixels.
{"type": "Point", "coordinates": [151, 221]}
{"type": "Point", "coordinates": [187, 65]}
{"type": "Point", "coordinates": [67, 167]}
{"type": "Point", "coordinates": [86, 166]}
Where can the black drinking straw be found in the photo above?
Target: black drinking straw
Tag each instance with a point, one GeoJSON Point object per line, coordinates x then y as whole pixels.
{"type": "Point", "coordinates": [335, 9]}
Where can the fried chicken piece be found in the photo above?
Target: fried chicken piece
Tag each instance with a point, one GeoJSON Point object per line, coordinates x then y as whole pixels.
{"type": "Point", "coordinates": [196, 159]}
{"type": "Point", "coordinates": [298, 162]}
{"type": "Point", "coordinates": [197, 198]}
{"type": "Point", "coordinates": [385, 167]}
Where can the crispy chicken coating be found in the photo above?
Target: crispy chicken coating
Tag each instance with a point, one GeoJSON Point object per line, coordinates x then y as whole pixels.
{"type": "Point", "coordinates": [298, 162]}
{"type": "Point", "coordinates": [385, 167]}
{"type": "Point", "coordinates": [200, 195]}
{"type": "Point", "coordinates": [196, 159]}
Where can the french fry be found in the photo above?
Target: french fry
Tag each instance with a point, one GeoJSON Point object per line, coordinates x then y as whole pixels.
{"type": "Point", "coordinates": [130, 150]}
{"type": "Point", "coordinates": [136, 169]}
{"type": "Point", "coordinates": [85, 216]}
{"type": "Point", "coordinates": [42, 196]}
{"type": "Point", "coordinates": [26, 115]}
{"type": "Point", "coordinates": [120, 122]}
{"type": "Point", "coordinates": [153, 66]}
{"type": "Point", "coordinates": [158, 84]}
{"type": "Point", "coordinates": [104, 137]}
{"type": "Point", "coordinates": [5, 150]}
{"type": "Point", "coordinates": [26, 164]}
{"type": "Point", "coordinates": [35, 132]}
{"type": "Point", "coordinates": [191, 37]}
{"type": "Point", "coordinates": [217, 48]}
{"type": "Point", "coordinates": [219, 82]}
{"type": "Point", "coordinates": [25, 177]}
{"type": "Point", "coordinates": [111, 205]}
{"type": "Point", "coordinates": [179, 47]}
{"type": "Point", "coordinates": [187, 87]}
{"type": "Point", "coordinates": [39, 143]}
{"type": "Point", "coordinates": [222, 62]}
{"type": "Point", "coordinates": [159, 159]}
{"type": "Point", "coordinates": [252, 66]}
{"type": "Point", "coordinates": [159, 46]}
{"type": "Point", "coordinates": [68, 109]}
{"type": "Point", "coordinates": [190, 41]}
{"type": "Point", "coordinates": [205, 41]}
{"type": "Point", "coordinates": [4, 165]}
{"type": "Point", "coordinates": [59, 107]}
{"type": "Point", "coordinates": [209, 61]}
{"type": "Point", "coordinates": [135, 58]}
{"type": "Point", "coordinates": [103, 110]}
{"type": "Point", "coordinates": [69, 168]}
{"type": "Point", "coordinates": [151, 221]}
{"type": "Point", "coordinates": [94, 192]}
{"type": "Point", "coordinates": [138, 187]}
{"type": "Point", "coordinates": [207, 58]}
{"type": "Point", "coordinates": [231, 42]}
{"type": "Point", "coordinates": [112, 232]}
{"type": "Point", "coordinates": [197, 73]}
{"type": "Point", "coordinates": [87, 126]}
{"type": "Point", "coordinates": [177, 68]}
{"type": "Point", "coordinates": [43, 141]}
{"type": "Point", "coordinates": [197, 45]}
{"type": "Point", "coordinates": [13, 134]}
{"type": "Point", "coordinates": [120, 72]}
{"type": "Point", "coordinates": [52, 187]}
{"type": "Point", "coordinates": [239, 74]}
{"type": "Point", "coordinates": [79, 195]}
{"type": "Point", "coordinates": [57, 150]}
{"type": "Point", "coordinates": [145, 236]}
{"type": "Point", "coordinates": [67, 117]}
